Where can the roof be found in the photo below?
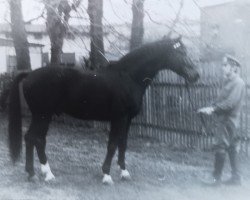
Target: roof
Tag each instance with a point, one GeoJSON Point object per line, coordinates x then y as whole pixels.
{"type": "Point", "coordinates": [218, 5]}
{"type": "Point", "coordinates": [41, 28]}
{"type": "Point", "coordinates": [30, 28]}
{"type": "Point", "coordinates": [9, 43]}
{"type": "Point", "coordinates": [232, 60]}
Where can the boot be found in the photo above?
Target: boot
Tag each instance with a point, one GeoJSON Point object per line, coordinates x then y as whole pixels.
{"type": "Point", "coordinates": [211, 183]}
{"type": "Point", "coordinates": [233, 181]}
{"type": "Point", "coordinates": [235, 178]}
{"type": "Point", "coordinates": [218, 166]}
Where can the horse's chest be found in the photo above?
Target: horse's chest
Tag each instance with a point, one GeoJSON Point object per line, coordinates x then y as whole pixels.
{"type": "Point", "coordinates": [134, 109]}
{"type": "Point", "coordinates": [132, 102]}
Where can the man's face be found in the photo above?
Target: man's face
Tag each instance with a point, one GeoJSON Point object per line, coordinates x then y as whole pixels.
{"type": "Point", "coordinates": [226, 68]}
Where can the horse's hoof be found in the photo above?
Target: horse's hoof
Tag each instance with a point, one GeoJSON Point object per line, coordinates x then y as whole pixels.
{"type": "Point", "coordinates": [33, 179]}
{"type": "Point", "coordinates": [49, 177]}
{"type": "Point", "coordinates": [125, 175]}
{"type": "Point", "coordinates": [107, 180]}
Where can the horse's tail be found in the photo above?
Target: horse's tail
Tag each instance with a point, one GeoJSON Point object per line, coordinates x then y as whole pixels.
{"type": "Point", "coordinates": [15, 121]}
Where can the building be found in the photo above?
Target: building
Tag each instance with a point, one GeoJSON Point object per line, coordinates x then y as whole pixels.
{"type": "Point", "coordinates": [73, 49]}
{"type": "Point", "coordinates": [225, 28]}
{"type": "Point", "coordinates": [8, 57]}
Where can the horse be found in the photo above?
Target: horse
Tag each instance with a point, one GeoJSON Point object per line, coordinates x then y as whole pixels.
{"type": "Point", "coordinates": [113, 94]}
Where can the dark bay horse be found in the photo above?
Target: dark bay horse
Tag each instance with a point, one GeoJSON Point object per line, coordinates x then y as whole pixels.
{"type": "Point", "coordinates": [111, 94]}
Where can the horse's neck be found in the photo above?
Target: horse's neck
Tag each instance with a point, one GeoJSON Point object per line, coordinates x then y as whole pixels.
{"type": "Point", "coordinates": [144, 63]}
{"type": "Point", "coordinates": [144, 73]}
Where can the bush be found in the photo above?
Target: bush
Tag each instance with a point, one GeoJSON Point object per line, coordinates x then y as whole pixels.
{"type": "Point", "coordinates": [5, 83]}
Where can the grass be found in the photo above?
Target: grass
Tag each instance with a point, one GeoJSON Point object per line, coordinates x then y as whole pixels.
{"type": "Point", "coordinates": [76, 155]}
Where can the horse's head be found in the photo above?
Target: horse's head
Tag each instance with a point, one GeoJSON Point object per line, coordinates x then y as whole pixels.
{"type": "Point", "coordinates": [179, 62]}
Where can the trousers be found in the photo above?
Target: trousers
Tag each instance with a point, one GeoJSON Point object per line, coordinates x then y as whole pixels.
{"type": "Point", "coordinates": [227, 141]}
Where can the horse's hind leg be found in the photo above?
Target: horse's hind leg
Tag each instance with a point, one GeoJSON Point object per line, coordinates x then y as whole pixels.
{"type": "Point", "coordinates": [29, 155]}
{"type": "Point", "coordinates": [36, 136]}
{"type": "Point", "coordinates": [40, 145]}
{"type": "Point", "coordinates": [45, 168]}
{"type": "Point", "coordinates": [30, 140]}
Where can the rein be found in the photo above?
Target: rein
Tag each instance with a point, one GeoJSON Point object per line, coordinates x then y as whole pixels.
{"type": "Point", "coordinates": [201, 116]}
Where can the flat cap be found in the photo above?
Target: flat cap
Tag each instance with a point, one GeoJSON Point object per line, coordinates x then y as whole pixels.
{"type": "Point", "coordinates": [232, 60]}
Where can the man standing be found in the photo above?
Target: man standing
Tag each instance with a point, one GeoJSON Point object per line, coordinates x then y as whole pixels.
{"type": "Point", "coordinates": [227, 109]}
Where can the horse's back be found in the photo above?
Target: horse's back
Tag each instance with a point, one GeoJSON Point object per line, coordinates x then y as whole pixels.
{"type": "Point", "coordinates": [43, 89]}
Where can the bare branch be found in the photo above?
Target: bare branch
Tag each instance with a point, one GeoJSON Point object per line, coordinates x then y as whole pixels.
{"type": "Point", "coordinates": [36, 18]}
{"type": "Point", "coordinates": [76, 4]}
{"type": "Point", "coordinates": [176, 19]}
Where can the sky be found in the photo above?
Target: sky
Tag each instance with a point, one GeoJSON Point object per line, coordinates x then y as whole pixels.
{"type": "Point", "coordinates": [119, 11]}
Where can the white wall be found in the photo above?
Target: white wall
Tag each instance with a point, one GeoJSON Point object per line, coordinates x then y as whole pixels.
{"type": "Point", "coordinates": [35, 57]}
{"type": "Point", "coordinates": [2, 60]}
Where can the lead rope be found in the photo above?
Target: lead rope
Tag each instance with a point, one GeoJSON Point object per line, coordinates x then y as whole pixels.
{"type": "Point", "coordinates": [200, 116]}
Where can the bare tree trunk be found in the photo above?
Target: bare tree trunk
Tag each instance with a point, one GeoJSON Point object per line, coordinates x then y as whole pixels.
{"type": "Point", "coordinates": [137, 29]}
{"type": "Point", "coordinates": [56, 27]}
{"type": "Point", "coordinates": [58, 14]}
{"type": "Point", "coordinates": [19, 36]}
{"type": "Point", "coordinates": [95, 12]}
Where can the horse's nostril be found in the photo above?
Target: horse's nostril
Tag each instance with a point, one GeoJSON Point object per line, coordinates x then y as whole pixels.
{"type": "Point", "coordinates": [193, 78]}
{"type": "Point", "coordinates": [197, 77]}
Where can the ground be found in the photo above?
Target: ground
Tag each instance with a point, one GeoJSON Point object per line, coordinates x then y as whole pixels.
{"type": "Point", "coordinates": [76, 154]}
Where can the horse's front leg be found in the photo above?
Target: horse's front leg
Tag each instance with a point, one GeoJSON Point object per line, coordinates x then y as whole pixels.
{"type": "Point", "coordinates": [122, 146]}
{"type": "Point", "coordinates": [111, 148]}
{"type": "Point", "coordinates": [118, 127]}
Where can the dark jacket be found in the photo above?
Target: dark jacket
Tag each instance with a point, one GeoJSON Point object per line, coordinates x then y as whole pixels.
{"type": "Point", "coordinates": [229, 102]}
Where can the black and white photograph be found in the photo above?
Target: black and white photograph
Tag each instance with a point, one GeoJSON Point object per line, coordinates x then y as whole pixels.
{"type": "Point", "coordinates": [124, 99]}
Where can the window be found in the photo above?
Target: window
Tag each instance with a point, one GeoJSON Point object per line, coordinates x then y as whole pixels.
{"type": "Point", "coordinates": [68, 59]}
{"type": "Point", "coordinates": [38, 36]}
{"type": "Point", "coordinates": [11, 64]}
{"type": "Point", "coordinates": [8, 35]}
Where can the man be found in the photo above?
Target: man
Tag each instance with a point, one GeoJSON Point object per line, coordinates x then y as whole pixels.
{"type": "Point", "coordinates": [227, 109]}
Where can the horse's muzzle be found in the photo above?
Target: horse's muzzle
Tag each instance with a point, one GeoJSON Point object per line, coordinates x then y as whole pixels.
{"type": "Point", "coordinates": [193, 78]}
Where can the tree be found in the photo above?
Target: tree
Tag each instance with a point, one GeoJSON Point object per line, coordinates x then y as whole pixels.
{"type": "Point", "coordinates": [58, 14]}
{"type": "Point", "coordinates": [19, 36]}
{"type": "Point", "coordinates": [95, 12]}
{"type": "Point", "coordinates": [137, 29]}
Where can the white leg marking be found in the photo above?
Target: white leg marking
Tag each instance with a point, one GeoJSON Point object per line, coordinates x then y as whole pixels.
{"type": "Point", "coordinates": [107, 179]}
{"type": "Point", "coordinates": [125, 175]}
{"type": "Point", "coordinates": [47, 172]}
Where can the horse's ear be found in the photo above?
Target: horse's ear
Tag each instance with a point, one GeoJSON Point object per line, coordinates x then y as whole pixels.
{"type": "Point", "coordinates": [179, 38]}
{"type": "Point", "coordinates": [165, 37]}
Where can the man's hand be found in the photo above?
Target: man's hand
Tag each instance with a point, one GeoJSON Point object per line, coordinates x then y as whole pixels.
{"type": "Point", "coordinates": [206, 110]}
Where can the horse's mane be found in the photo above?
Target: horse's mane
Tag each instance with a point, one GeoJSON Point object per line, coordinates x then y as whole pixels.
{"type": "Point", "coordinates": [141, 54]}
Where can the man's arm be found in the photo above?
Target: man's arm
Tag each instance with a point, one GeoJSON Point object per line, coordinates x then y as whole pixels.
{"type": "Point", "coordinates": [232, 99]}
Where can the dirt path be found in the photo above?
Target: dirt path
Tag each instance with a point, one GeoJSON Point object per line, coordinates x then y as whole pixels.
{"type": "Point", "coordinates": [76, 155]}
